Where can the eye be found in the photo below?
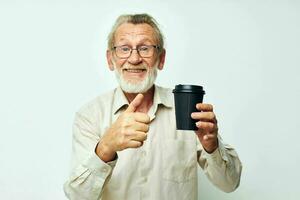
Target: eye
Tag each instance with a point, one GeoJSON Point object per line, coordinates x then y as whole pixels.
{"type": "Point", "coordinates": [143, 48]}
{"type": "Point", "coordinates": [125, 48]}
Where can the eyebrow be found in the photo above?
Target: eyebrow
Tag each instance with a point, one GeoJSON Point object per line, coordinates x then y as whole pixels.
{"type": "Point", "coordinates": [122, 40]}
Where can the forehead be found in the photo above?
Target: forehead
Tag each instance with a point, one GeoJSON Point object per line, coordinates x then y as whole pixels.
{"type": "Point", "coordinates": [135, 33]}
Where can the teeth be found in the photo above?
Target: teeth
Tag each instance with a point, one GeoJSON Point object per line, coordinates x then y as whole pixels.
{"type": "Point", "coordinates": [135, 70]}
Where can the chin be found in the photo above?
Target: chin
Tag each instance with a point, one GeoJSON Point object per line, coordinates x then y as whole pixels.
{"type": "Point", "coordinates": [134, 81]}
{"type": "Point", "coordinates": [136, 84]}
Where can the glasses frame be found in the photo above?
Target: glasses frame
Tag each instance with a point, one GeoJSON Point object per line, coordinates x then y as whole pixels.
{"type": "Point", "coordinates": [137, 49]}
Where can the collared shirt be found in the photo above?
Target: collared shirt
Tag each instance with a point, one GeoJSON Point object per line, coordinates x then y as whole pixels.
{"type": "Point", "coordinates": [164, 167]}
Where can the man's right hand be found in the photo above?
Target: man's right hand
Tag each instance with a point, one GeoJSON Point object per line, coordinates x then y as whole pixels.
{"type": "Point", "coordinates": [128, 131]}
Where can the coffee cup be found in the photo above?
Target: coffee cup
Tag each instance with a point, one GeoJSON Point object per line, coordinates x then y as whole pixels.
{"type": "Point", "coordinates": [186, 97]}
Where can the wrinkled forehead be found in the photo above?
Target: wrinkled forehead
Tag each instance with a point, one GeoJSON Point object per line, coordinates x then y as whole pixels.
{"type": "Point", "coordinates": [135, 33]}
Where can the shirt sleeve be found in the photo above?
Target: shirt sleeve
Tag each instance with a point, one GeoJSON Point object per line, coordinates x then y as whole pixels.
{"type": "Point", "coordinates": [222, 167]}
{"type": "Point", "coordinates": [89, 173]}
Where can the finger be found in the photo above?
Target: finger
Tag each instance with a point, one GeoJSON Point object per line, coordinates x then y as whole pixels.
{"type": "Point", "coordinates": [204, 116]}
{"type": "Point", "coordinates": [139, 136]}
{"type": "Point", "coordinates": [206, 127]}
{"type": "Point", "coordinates": [138, 126]}
{"type": "Point", "coordinates": [207, 137]}
{"type": "Point", "coordinates": [141, 117]}
{"type": "Point", "coordinates": [134, 144]}
{"type": "Point", "coordinates": [136, 102]}
{"type": "Point", "coordinates": [204, 107]}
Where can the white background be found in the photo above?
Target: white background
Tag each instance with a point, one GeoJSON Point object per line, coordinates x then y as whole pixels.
{"type": "Point", "coordinates": [244, 53]}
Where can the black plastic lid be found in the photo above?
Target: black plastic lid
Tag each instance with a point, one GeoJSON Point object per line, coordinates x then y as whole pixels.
{"type": "Point", "coordinates": [189, 89]}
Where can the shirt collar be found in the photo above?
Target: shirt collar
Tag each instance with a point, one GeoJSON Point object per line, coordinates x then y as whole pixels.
{"type": "Point", "coordinates": [161, 96]}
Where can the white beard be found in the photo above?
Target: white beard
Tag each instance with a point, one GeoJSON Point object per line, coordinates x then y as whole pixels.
{"type": "Point", "coordinates": [140, 87]}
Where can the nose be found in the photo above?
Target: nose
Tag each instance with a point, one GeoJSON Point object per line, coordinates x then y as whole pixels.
{"type": "Point", "coordinates": [134, 58]}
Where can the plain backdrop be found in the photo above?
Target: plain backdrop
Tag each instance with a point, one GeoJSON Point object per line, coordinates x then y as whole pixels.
{"type": "Point", "coordinates": [244, 53]}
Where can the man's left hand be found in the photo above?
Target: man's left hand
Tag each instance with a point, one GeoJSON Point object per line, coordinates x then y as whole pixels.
{"type": "Point", "coordinates": [207, 126]}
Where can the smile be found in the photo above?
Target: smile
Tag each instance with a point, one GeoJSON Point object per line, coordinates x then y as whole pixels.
{"type": "Point", "coordinates": [135, 70]}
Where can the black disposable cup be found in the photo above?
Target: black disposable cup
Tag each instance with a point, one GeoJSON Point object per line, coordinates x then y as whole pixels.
{"type": "Point", "coordinates": [186, 97]}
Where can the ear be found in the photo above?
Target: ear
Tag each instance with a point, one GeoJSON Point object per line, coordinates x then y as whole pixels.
{"type": "Point", "coordinates": [162, 57]}
{"type": "Point", "coordinates": [109, 60]}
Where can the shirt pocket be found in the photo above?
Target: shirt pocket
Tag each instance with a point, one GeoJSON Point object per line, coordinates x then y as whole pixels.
{"type": "Point", "coordinates": [179, 160]}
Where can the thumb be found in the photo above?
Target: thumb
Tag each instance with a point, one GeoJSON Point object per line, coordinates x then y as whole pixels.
{"type": "Point", "coordinates": [135, 103]}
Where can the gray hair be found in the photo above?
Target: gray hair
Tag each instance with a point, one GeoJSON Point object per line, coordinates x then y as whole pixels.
{"type": "Point", "coordinates": [136, 19]}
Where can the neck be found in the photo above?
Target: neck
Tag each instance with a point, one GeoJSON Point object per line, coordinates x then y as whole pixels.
{"type": "Point", "coordinates": [147, 101]}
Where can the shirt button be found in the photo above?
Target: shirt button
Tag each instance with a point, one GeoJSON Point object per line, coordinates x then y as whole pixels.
{"type": "Point", "coordinates": [104, 170]}
{"type": "Point", "coordinates": [144, 179]}
{"type": "Point", "coordinates": [143, 153]}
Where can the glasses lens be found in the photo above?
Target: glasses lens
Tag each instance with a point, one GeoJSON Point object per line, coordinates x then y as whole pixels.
{"type": "Point", "coordinates": [123, 51]}
{"type": "Point", "coordinates": [144, 51]}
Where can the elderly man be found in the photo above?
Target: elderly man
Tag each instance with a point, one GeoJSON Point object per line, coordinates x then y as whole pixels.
{"type": "Point", "coordinates": [125, 142]}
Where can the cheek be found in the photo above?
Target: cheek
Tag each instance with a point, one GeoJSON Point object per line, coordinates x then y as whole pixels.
{"type": "Point", "coordinates": [150, 62]}
{"type": "Point", "coordinates": [119, 63]}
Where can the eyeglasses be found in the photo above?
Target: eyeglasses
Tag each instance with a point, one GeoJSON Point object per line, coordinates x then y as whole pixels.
{"type": "Point", "coordinates": [145, 51]}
